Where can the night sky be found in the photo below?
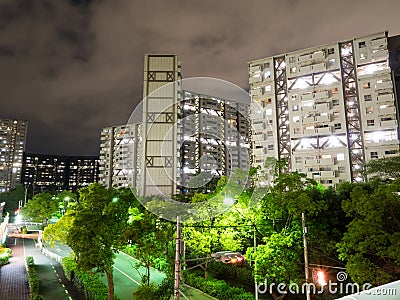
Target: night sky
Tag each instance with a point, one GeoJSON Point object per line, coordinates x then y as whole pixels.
{"type": "Point", "coordinates": [72, 67]}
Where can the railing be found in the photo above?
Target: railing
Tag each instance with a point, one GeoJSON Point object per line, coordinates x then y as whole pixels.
{"type": "Point", "coordinates": [51, 254]}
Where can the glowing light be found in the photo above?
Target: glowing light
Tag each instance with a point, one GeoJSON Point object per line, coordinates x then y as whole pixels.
{"type": "Point", "coordinates": [321, 278]}
{"type": "Point", "coordinates": [377, 136]}
{"type": "Point", "coordinates": [229, 201]}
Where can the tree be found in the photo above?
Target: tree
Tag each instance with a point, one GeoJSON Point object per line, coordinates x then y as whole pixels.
{"type": "Point", "coordinates": [149, 234]}
{"type": "Point", "coordinates": [371, 245]}
{"type": "Point", "coordinates": [100, 216]}
{"type": "Point", "coordinates": [278, 260]}
{"type": "Point", "coordinates": [384, 168]}
{"type": "Point", "coordinates": [41, 208]}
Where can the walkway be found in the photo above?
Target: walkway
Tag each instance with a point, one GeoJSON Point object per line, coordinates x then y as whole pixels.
{"type": "Point", "coordinates": [53, 284]}
{"type": "Point", "coordinates": [13, 277]}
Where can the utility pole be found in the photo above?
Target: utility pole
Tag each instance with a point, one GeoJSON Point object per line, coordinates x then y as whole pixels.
{"type": "Point", "coordinates": [303, 222]}
{"type": "Point", "coordinates": [255, 247]}
{"type": "Point", "coordinates": [177, 295]}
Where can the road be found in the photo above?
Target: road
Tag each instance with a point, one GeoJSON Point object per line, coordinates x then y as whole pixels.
{"type": "Point", "coordinates": [127, 278]}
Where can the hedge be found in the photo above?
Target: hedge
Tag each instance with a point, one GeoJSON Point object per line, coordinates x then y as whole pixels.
{"type": "Point", "coordinates": [33, 278]}
{"type": "Point", "coordinates": [91, 285]}
{"type": "Point", "coordinates": [216, 288]}
{"type": "Point", "coordinates": [5, 254]}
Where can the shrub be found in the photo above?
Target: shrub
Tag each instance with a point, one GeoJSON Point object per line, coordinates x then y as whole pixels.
{"type": "Point", "coordinates": [5, 254]}
{"type": "Point", "coordinates": [150, 292]}
{"type": "Point", "coordinates": [92, 285]}
{"type": "Point", "coordinates": [33, 278]}
{"type": "Point", "coordinates": [216, 288]}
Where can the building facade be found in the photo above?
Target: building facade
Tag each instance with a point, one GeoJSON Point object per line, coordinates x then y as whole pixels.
{"type": "Point", "coordinates": [213, 139]}
{"type": "Point", "coordinates": [119, 156]}
{"type": "Point", "coordinates": [41, 172]}
{"type": "Point", "coordinates": [12, 146]}
{"type": "Point", "coordinates": [185, 140]}
{"type": "Point", "coordinates": [327, 110]}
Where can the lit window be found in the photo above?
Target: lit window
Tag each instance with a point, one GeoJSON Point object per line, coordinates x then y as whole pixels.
{"type": "Point", "coordinates": [296, 119]}
{"type": "Point", "coordinates": [267, 74]}
{"type": "Point", "coordinates": [268, 112]}
{"type": "Point", "coordinates": [293, 70]}
{"type": "Point", "coordinates": [362, 56]}
{"type": "Point", "coordinates": [295, 107]}
{"type": "Point", "coordinates": [340, 156]}
{"type": "Point", "coordinates": [366, 85]}
{"type": "Point", "coordinates": [267, 88]}
{"type": "Point", "coordinates": [369, 110]}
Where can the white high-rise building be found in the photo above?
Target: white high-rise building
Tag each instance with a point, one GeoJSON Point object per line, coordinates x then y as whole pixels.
{"type": "Point", "coordinates": [327, 110]}
{"type": "Point", "coordinates": [119, 156]}
{"type": "Point", "coordinates": [182, 134]}
{"type": "Point", "coordinates": [12, 147]}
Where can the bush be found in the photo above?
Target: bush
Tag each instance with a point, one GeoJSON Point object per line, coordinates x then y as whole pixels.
{"type": "Point", "coordinates": [216, 288]}
{"type": "Point", "coordinates": [5, 254]}
{"type": "Point", "coordinates": [33, 278]}
{"type": "Point", "coordinates": [150, 292]}
{"type": "Point", "coordinates": [92, 285]}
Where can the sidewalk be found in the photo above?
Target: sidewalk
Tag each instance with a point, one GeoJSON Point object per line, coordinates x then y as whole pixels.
{"type": "Point", "coordinates": [53, 284]}
{"type": "Point", "coordinates": [13, 277]}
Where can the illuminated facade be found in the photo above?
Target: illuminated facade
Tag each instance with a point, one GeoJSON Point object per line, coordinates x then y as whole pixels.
{"type": "Point", "coordinates": [327, 110]}
{"type": "Point", "coordinates": [213, 139]}
{"type": "Point", "coordinates": [182, 135]}
{"type": "Point", "coordinates": [12, 147]}
{"type": "Point", "coordinates": [42, 172]}
{"type": "Point", "coordinates": [119, 156]}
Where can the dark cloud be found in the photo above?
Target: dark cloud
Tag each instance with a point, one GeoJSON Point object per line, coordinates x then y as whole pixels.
{"type": "Point", "coordinates": [71, 67]}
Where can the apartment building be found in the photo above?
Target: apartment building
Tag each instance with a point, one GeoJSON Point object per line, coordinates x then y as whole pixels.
{"type": "Point", "coordinates": [12, 146]}
{"type": "Point", "coordinates": [43, 172]}
{"type": "Point", "coordinates": [119, 156]}
{"type": "Point", "coordinates": [185, 139]}
{"type": "Point", "coordinates": [327, 110]}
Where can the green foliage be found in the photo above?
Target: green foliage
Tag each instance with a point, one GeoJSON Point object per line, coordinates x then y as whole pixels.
{"type": "Point", "coordinates": [60, 230]}
{"type": "Point", "coordinates": [216, 288]}
{"type": "Point", "coordinates": [384, 168]}
{"type": "Point", "coordinates": [279, 259]}
{"type": "Point", "coordinates": [5, 254]}
{"type": "Point", "coordinates": [33, 278]}
{"type": "Point", "coordinates": [371, 245]}
{"type": "Point", "coordinates": [92, 285]}
{"type": "Point", "coordinates": [43, 206]}
{"type": "Point", "coordinates": [152, 291]}
{"type": "Point", "coordinates": [97, 226]}
{"type": "Point", "coordinates": [150, 236]}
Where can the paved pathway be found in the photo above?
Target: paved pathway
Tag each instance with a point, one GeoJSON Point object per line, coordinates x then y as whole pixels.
{"type": "Point", "coordinates": [53, 284]}
{"type": "Point", "coordinates": [13, 276]}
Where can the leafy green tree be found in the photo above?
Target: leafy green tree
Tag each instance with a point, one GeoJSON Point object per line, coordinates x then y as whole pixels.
{"type": "Point", "coordinates": [384, 168]}
{"type": "Point", "coordinates": [149, 234]}
{"type": "Point", "coordinates": [41, 208]}
{"type": "Point", "coordinates": [371, 245]}
{"type": "Point", "coordinates": [99, 218]}
{"type": "Point", "coordinates": [278, 260]}
{"type": "Point", "coordinates": [59, 231]}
